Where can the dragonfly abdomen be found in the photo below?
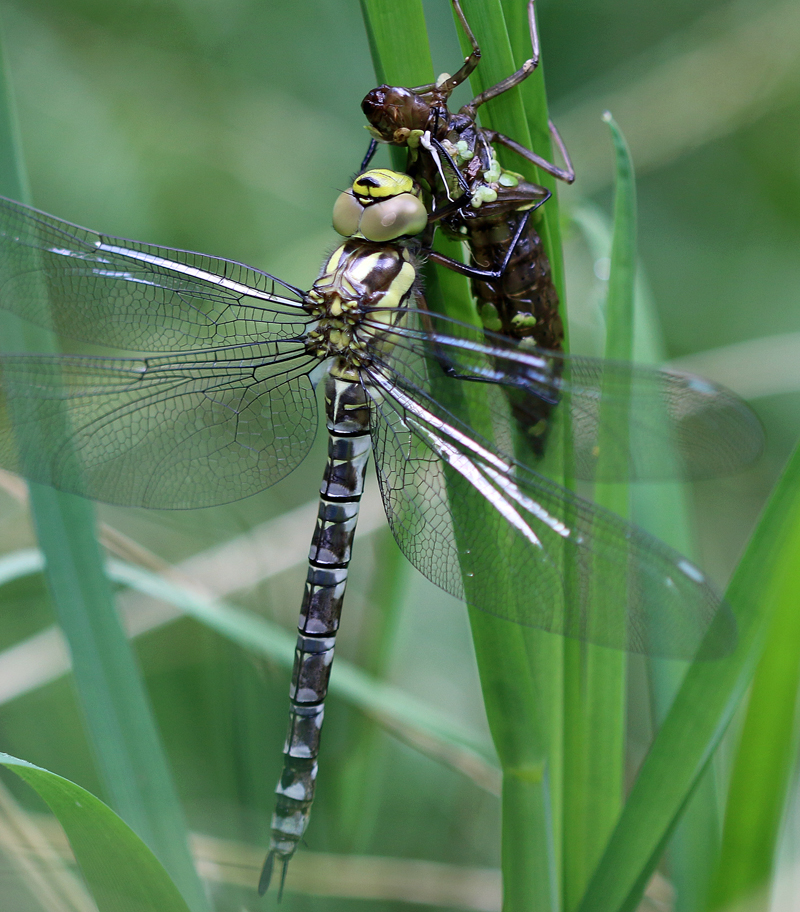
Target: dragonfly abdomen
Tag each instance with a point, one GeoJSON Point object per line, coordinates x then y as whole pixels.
{"type": "Point", "coordinates": [348, 420]}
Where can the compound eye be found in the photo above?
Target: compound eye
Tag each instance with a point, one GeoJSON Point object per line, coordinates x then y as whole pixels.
{"type": "Point", "coordinates": [393, 218]}
{"type": "Point", "coordinates": [346, 213]}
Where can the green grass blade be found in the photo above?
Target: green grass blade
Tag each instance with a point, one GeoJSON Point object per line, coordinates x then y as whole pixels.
{"type": "Point", "coordinates": [662, 508]}
{"type": "Point", "coordinates": [622, 275]}
{"type": "Point", "coordinates": [394, 31]}
{"type": "Point", "coordinates": [113, 700]}
{"type": "Point", "coordinates": [766, 583]}
{"type": "Point", "coordinates": [594, 724]}
{"type": "Point", "coordinates": [519, 669]}
{"type": "Point", "coordinates": [763, 768]}
{"type": "Point", "coordinates": [121, 872]}
{"type": "Point", "coordinates": [520, 672]}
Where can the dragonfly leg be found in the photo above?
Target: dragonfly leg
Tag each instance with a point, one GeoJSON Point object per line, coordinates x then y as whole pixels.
{"type": "Point", "coordinates": [444, 362]}
{"type": "Point", "coordinates": [446, 87]}
{"type": "Point", "coordinates": [436, 148]}
{"type": "Point", "coordinates": [448, 369]}
{"type": "Point", "coordinates": [515, 78]}
{"type": "Point", "coordinates": [475, 272]}
{"type": "Point", "coordinates": [471, 272]}
{"type": "Point", "coordinates": [373, 148]}
{"type": "Point", "coordinates": [566, 174]}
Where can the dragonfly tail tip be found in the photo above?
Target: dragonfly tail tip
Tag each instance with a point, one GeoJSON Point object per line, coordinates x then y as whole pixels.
{"type": "Point", "coordinates": [283, 878]}
{"type": "Point", "coordinates": [266, 874]}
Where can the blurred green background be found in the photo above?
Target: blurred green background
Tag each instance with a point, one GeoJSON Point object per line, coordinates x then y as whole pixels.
{"type": "Point", "coordinates": [229, 128]}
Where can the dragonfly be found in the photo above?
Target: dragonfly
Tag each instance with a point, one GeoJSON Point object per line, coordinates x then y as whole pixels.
{"type": "Point", "coordinates": [474, 199]}
{"type": "Point", "coordinates": [216, 400]}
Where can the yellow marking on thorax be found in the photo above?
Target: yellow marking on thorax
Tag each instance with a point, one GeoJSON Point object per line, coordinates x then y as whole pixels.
{"type": "Point", "coordinates": [363, 266]}
{"type": "Point", "coordinates": [335, 259]}
{"type": "Point", "coordinates": [400, 286]}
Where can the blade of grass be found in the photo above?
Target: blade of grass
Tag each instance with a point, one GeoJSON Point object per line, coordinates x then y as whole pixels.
{"type": "Point", "coordinates": [663, 510]}
{"type": "Point", "coordinates": [28, 850]}
{"type": "Point", "coordinates": [395, 31]}
{"type": "Point", "coordinates": [516, 699]}
{"type": "Point", "coordinates": [528, 727]}
{"type": "Point", "coordinates": [762, 771]}
{"type": "Point", "coordinates": [113, 700]}
{"type": "Point", "coordinates": [594, 724]}
{"type": "Point", "coordinates": [520, 673]}
{"type": "Point", "coordinates": [765, 583]}
{"type": "Point", "coordinates": [121, 872]}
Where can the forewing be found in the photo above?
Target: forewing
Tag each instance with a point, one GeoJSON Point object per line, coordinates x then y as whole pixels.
{"type": "Point", "coordinates": [516, 544]}
{"type": "Point", "coordinates": [625, 421]}
{"type": "Point", "coordinates": [132, 296]}
{"type": "Point", "coordinates": [191, 430]}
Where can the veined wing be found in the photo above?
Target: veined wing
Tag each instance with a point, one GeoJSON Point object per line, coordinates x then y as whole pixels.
{"type": "Point", "coordinates": [626, 421]}
{"type": "Point", "coordinates": [190, 430]}
{"type": "Point", "coordinates": [517, 545]}
{"type": "Point", "coordinates": [132, 296]}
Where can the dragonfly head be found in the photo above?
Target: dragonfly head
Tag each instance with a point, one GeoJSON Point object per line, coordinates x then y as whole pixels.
{"type": "Point", "coordinates": [381, 206]}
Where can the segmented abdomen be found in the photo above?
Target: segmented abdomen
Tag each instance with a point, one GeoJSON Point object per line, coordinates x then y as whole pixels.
{"type": "Point", "coordinates": [523, 304]}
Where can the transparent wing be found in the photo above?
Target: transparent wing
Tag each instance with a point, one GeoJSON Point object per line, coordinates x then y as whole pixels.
{"type": "Point", "coordinates": [219, 405]}
{"type": "Point", "coordinates": [626, 421]}
{"type": "Point", "coordinates": [515, 544]}
{"type": "Point", "coordinates": [191, 430]}
{"type": "Point", "coordinates": [132, 296]}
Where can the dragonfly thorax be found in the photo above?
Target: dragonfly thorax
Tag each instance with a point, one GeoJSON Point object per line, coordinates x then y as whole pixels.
{"type": "Point", "coordinates": [360, 290]}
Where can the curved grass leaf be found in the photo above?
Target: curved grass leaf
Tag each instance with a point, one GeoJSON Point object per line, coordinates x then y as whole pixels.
{"type": "Point", "coordinates": [763, 767]}
{"type": "Point", "coordinates": [121, 873]}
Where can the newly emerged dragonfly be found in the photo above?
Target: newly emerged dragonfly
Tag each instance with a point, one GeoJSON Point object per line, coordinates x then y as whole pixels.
{"type": "Point", "coordinates": [216, 401]}
{"type": "Point", "coordinates": [475, 200]}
